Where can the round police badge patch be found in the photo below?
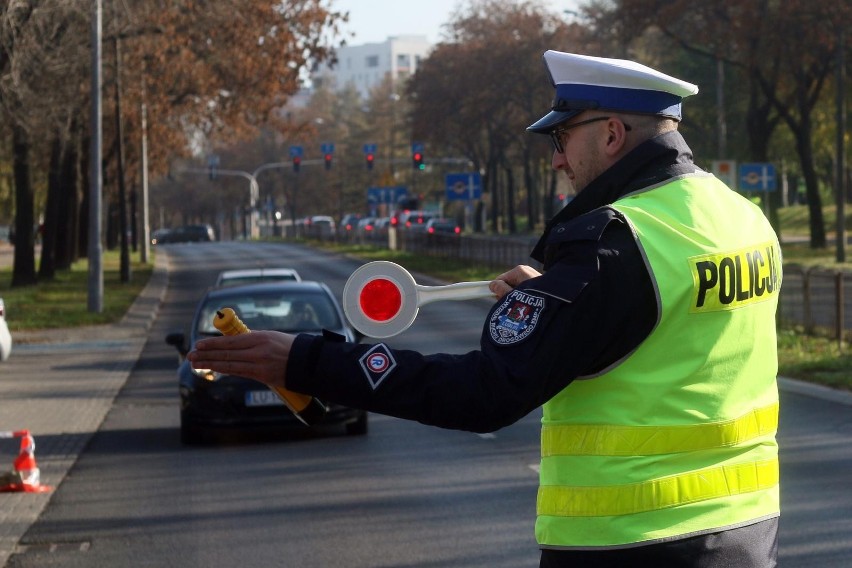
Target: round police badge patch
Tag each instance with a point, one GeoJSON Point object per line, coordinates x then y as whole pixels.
{"type": "Point", "coordinates": [516, 317]}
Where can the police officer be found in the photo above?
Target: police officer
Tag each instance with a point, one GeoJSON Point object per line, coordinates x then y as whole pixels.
{"type": "Point", "coordinates": [649, 340]}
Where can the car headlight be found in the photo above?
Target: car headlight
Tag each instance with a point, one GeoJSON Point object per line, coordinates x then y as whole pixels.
{"type": "Point", "coordinates": [206, 374]}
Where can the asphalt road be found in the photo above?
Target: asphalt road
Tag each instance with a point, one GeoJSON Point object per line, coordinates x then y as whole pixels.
{"type": "Point", "coordinates": [405, 495]}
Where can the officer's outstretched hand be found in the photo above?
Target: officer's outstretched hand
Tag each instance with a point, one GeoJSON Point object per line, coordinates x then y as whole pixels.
{"type": "Point", "coordinates": [259, 355]}
{"type": "Point", "coordinates": [507, 281]}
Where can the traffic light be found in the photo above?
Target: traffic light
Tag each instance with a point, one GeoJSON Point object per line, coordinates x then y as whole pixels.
{"type": "Point", "coordinates": [297, 163]}
{"type": "Point", "coordinates": [417, 161]}
{"type": "Point", "coordinates": [370, 159]}
{"type": "Point", "coordinates": [327, 161]}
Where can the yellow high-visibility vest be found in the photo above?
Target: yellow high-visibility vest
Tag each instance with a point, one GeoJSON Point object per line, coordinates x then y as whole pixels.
{"type": "Point", "coordinates": [678, 438]}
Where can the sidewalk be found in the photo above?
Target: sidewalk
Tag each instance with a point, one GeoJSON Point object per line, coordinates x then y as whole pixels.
{"type": "Point", "coordinates": [59, 385]}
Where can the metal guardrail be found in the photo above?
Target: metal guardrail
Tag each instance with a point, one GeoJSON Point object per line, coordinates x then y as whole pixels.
{"type": "Point", "coordinates": [816, 298]}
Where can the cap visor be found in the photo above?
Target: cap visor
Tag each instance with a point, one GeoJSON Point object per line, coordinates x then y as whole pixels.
{"type": "Point", "coordinates": [549, 121]}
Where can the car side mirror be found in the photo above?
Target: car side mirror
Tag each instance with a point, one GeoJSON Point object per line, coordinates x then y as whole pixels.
{"type": "Point", "coordinates": [178, 340]}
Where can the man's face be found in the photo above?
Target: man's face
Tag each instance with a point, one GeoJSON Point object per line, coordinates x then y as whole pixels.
{"type": "Point", "coordinates": [579, 149]}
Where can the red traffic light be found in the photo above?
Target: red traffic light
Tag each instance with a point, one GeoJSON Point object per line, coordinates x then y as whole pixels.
{"type": "Point", "coordinates": [328, 161]}
{"type": "Point", "coordinates": [370, 159]}
{"type": "Point", "coordinates": [297, 163]}
{"type": "Point", "coordinates": [417, 160]}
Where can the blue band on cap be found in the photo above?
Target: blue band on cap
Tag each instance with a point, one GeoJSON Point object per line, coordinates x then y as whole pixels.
{"type": "Point", "coordinates": [618, 99]}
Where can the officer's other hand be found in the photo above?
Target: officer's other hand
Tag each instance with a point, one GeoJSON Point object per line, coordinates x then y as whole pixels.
{"type": "Point", "coordinates": [259, 355]}
{"type": "Point", "coordinates": [507, 281]}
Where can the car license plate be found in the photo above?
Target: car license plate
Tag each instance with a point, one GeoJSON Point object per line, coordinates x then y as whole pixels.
{"type": "Point", "coordinates": [263, 398]}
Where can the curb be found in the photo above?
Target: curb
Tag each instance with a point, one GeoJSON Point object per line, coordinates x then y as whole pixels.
{"type": "Point", "coordinates": [815, 391]}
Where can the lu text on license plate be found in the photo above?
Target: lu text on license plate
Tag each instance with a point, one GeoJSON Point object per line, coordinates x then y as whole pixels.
{"type": "Point", "coordinates": [263, 398]}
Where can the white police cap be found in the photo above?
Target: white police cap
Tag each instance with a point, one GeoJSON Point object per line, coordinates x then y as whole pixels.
{"type": "Point", "coordinates": [584, 82]}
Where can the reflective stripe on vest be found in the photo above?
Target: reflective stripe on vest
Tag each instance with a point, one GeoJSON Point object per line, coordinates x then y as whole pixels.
{"type": "Point", "coordinates": [709, 483]}
{"type": "Point", "coordinates": [611, 440]}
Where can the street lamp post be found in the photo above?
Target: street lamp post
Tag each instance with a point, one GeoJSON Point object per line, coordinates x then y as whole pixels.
{"type": "Point", "coordinates": [95, 250]}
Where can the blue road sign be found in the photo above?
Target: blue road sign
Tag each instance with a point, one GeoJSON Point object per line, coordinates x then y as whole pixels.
{"type": "Point", "coordinates": [370, 148]}
{"type": "Point", "coordinates": [390, 194]}
{"type": "Point", "coordinates": [464, 186]}
{"type": "Point", "coordinates": [327, 148]}
{"type": "Point", "coordinates": [295, 151]}
{"type": "Point", "coordinates": [757, 177]}
{"type": "Point", "coordinates": [417, 147]}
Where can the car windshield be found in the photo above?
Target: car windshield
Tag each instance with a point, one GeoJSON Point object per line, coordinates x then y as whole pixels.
{"type": "Point", "coordinates": [281, 311]}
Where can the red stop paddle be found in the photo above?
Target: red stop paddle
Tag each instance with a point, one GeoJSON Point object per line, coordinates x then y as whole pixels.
{"type": "Point", "coordinates": [381, 298]}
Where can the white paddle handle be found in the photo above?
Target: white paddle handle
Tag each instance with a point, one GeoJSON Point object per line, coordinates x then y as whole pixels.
{"type": "Point", "coordinates": [457, 291]}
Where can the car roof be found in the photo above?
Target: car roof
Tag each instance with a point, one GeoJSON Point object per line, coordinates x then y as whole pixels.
{"type": "Point", "coordinates": [263, 287]}
{"type": "Point", "coordinates": [243, 272]}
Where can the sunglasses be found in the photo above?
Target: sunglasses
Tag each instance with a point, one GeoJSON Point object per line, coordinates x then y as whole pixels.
{"type": "Point", "coordinates": [557, 134]}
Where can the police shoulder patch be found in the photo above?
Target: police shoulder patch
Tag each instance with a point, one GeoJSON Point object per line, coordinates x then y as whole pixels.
{"type": "Point", "coordinates": [377, 364]}
{"type": "Point", "coordinates": [516, 318]}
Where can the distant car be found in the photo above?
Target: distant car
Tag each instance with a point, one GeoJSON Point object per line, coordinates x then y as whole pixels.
{"type": "Point", "coordinates": [366, 227]}
{"type": "Point", "coordinates": [190, 234]}
{"type": "Point", "coordinates": [320, 226]}
{"type": "Point", "coordinates": [160, 236]}
{"type": "Point", "coordinates": [415, 220]}
{"type": "Point", "coordinates": [441, 226]}
{"type": "Point", "coordinates": [210, 401]}
{"type": "Point", "coordinates": [349, 223]}
{"type": "Point", "coordinates": [255, 275]}
{"type": "Point", "coordinates": [5, 336]}
{"type": "Point", "coordinates": [381, 227]}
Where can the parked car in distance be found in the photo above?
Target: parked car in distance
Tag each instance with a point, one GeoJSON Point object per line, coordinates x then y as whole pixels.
{"type": "Point", "coordinates": [349, 223]}
{"type": "Point", "coordinates": [160, 236]}
{"type": "Point", "coordinates": [255, 275]}
{"type": "Point", "coordinates": [211, 402]}
{"type": "Point", "coordinates": [415, 220]}
{"type": "Point", "coordinates": [442, 226]}
{"type": "Point", "coordinates": [381, 227]}
{"type": "Point", "coordinates": [320, 226]}
{"type": "Point", "coordinates": [189, 234]}
{"type": "Point", "coordinates": [5, 336]}
{"type": "Point", "coordinates": [366, 227]}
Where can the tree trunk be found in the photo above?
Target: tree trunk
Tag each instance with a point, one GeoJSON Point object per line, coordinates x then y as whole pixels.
{"type": "Point", "coordinates": [83, 209]}
{"type": "Point", "coordinates": [47, 267]}
{"type": "Point", "coordinates": [804, 148]}
{"type": "Point", "coordinates": [510, 201]}
{"type": "Point", "coordinates": [495, 197]}
{"type": "Point", "coordinates": [530, 184]}
{"type": "Point", "coordinates": [23, 272]}
{"type": "Point", "coordinates": [122, 190]}
{"type": "Point", "coordinates": [71, 192]}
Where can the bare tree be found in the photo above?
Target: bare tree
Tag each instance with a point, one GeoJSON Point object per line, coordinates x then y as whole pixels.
{"type": "Point", "coordinates": [479, 90]}
{"type": "Point", "coordinates": [784, 52]}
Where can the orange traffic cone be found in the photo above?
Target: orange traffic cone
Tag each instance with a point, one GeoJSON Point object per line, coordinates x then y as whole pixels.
{"type": "Point", "coordinates": [25, 475]}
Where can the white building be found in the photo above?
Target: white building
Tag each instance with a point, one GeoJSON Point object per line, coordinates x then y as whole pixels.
{"type": "Point", "coordinates": [365, 66]}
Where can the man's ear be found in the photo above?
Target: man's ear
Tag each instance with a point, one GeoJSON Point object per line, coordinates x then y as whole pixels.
{"type": "Point", "coordinates": [616, 137]}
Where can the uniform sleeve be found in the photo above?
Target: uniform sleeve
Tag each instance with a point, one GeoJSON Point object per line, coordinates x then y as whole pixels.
{"type": "Point", "coordinates": [592, 307]}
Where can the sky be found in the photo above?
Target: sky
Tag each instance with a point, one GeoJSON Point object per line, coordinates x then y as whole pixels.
{"type": "Point", "coordinates": [373, 21]}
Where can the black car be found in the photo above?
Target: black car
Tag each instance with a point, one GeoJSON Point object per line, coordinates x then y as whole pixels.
{"type": "Point", "coordinates": [185, 234]}
{"type": "Point", "coordinates": [211, 401]}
